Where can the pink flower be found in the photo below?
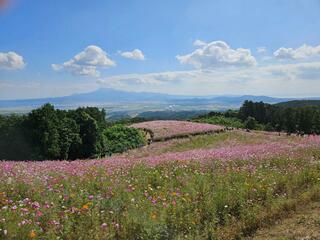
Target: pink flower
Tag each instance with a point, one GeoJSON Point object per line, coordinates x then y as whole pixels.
{"type": "Point", "coordinates": [35, 205]}
{"type": "Point", "coordinates": [130, 188]}
{"type": "Point", "coordinates": [104, 226]}
{"type": "Point", "coordinates": [39, 213]}
{"type": "Point", "coordinates": [90, 197]}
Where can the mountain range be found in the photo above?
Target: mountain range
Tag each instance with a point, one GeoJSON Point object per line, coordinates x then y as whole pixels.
{"type": "Point", "coordinates": [109, 96]}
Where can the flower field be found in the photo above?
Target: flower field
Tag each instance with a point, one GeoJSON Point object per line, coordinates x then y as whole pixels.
{"type": "Point", "coordinates": [218, 186]}
{"type": "Point", "coordinates": [168, 129]}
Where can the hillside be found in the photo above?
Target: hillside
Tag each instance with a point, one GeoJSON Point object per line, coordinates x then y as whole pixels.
{"type": "Point", "coordinates": [299, 103]}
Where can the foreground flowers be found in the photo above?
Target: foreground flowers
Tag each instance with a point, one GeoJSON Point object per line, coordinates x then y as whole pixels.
{"type": "Point", "coordinates": [195, 193]}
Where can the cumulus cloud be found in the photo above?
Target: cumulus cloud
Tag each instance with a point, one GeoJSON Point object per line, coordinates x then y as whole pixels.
{"type": "Point", "coordinates": [303, 52]}
{"type": "Point", "coordinates": [136, 54]}
{"type": "Point", "coordinates": [275, 80]}
{"type": "Point", "coordinates": [87, 62]}
{"type": "Point", "coordinates": [11, 61]}
{"type": "Point", "coordinates": [217, 54]}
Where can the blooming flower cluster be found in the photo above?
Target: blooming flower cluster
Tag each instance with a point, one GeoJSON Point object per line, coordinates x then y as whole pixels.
{"type": "Point", "coordinates": [168, 129]}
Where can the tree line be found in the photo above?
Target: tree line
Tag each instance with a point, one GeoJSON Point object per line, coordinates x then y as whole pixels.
{"type": "Point", "coordinates": [303, 120]}
{"type": "Point", "coordinates": [268, 117]}
{"type": "Point", "coordinates": [49, 133]}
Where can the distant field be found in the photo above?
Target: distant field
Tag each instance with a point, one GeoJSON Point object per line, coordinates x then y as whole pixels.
{"type": "Point", "coordinates": [216, 186]}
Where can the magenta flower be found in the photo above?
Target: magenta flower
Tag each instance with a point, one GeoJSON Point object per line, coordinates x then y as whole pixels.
{"type": "Point", "coordinates": [167, 129]}
{"type": "Point", "coordinates": [104, 226]}
{"type": "Point", "coordinates": [90, 197]}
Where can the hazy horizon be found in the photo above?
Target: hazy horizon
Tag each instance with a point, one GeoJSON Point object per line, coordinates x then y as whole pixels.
{"type": "Point", "coordinates": [172, 94]}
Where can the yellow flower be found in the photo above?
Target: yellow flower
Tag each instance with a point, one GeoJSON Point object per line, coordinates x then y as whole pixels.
{"type": "Point", "coordinates": [85, 207]}
{"type": "Point", "coordinates": [32, 234]}
{"type": "Point", "coordinates": [153, 216]}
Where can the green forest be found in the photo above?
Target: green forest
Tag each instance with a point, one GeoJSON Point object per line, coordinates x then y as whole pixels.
{"type": "Point", "coordinates": [49, 133]}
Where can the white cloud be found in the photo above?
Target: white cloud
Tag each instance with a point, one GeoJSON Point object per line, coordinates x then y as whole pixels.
{"type": "Point", "coordinates": [11, 61]}
{"type": "Point", "coordinates": [199, 43]}
{"type": "Point", "coordinates": [22, 89]}
{"type": "Point", "coordinates": [297, 79]}
{"type": "Point", "coordinates": [150, 79]}
{"type": "Point", "coordinates": [87, 62]}
{"type": "Point", "coordinates": [261, 49]}
{"type": "Point", "coordinates": [217, 54]}
{"type": "Point", "coordinates": [303, 52]}
{"type": "Point", "coordinates": [136, 54]}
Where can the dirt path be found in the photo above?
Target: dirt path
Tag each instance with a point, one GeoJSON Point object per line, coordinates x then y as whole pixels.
{"type": "Point", "coordinates": [304, 224]}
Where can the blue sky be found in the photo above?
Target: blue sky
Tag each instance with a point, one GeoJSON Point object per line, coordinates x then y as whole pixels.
{"type": "Point", "coordinates": [199, 47]}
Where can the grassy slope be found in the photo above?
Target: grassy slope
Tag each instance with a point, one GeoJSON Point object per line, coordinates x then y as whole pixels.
{"type": "Point", "coordinates": [302, 224]}
{"type": "Point", "coordinates": [223, 200]}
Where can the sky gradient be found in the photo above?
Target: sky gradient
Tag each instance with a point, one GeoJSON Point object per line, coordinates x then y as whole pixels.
{"type": "Point", "coordinates": [198, 47]}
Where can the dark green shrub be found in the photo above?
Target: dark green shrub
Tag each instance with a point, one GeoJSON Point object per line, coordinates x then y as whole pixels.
{"type": "Point", "coordinates": [250, 123]}
{"type": "Point", "coordinates": [120, 139]}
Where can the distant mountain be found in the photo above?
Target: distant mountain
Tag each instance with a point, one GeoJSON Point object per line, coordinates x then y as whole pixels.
{"type": "Point", "coordinates": [109, 96]}
{"type": "Point", "coordinates": [231, 100]}
{"type": "Point", "coordinates": [103, 95]}
{"type": "Point", "coordinates": [113, 95]}
{"type": "Point", "coordinates": [299, 103]}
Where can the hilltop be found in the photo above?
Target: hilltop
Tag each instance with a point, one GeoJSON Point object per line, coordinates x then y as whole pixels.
{"type": "Point", "coordinates": [299, 103]}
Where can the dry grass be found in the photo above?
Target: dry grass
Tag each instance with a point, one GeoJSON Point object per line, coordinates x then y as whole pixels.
{"type": "Point", "coordinates": [303, 224]}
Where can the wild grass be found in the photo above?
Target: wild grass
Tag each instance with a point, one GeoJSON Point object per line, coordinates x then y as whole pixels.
{"type": "Point", "coordinates": [214, 140]}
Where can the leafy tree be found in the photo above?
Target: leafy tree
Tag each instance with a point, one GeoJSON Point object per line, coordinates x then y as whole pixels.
{"type": "Point", "coordinates": [316, 122]}
{"type": "Point", "coordinates": [289, 120]}
{"type": "Point", "coordinates": [89, 133]}
{"type": "Point", "coordinates": [13, 143]}
{"type": "Point", "coordinates": [250, 123]}
{"type": "Point", "coordinates": [305, 117]}
{"type": "Point", "coordinates": [42, 127]}
{"type": "Point", "coordinates": [69, 138]}
{"type": "Point", "coordinates": [247, 110]}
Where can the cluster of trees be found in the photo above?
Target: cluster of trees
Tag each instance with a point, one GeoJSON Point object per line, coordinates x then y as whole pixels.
{"type": "Point", "coordinates": [305, 120]}
{"type": "Point", "coordinates": [49, 133]}
{"type": "Point", "coordinates": [262, 116]}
